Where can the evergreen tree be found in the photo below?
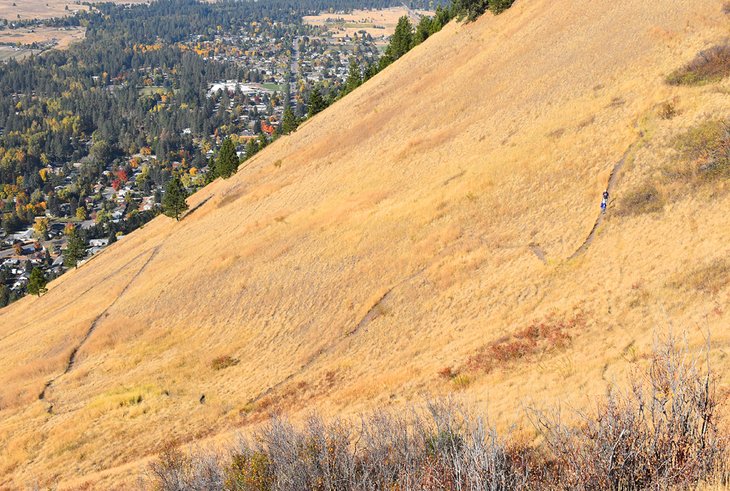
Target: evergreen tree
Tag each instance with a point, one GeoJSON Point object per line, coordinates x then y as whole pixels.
{"type": "Point", "coordinates": [252, 147]}
{"type": "Point", "coordinates": [470, 9]}
{"type": "Point", "coordinates": [499, 6]}
{"type": "Point", "coordinates": [402, 39]}
{"type": "Point", "coordinates": [227, 163]}
{"type": "Point", "coordinates": [173, 202]}
{"type": "Point", "coordinates": [423, 30]}
{"type": "Point", "coordinates": [370, 71]}
{"type": "Point", "coordinates": [289, 122]}
{"type": "Point", "coordinates": [75, 249]}
{"type": "Point", "coordinates": [316, 102]}
{"type": "Point", "coordinates": [4, 296]}
{"type": "Point", "coordinates": [354, 77]}
{"type": "Point", "coordinates": [263, 141]}
{"type": "Point", "coordinates": [37, 282]}
{"type": "Point", "coordinates": [212, 174]}
{"type": "Point", "coordinates": [442, 17]}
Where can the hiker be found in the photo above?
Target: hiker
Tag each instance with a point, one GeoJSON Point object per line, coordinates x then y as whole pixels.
{"type": "Point", "coordinates": [604, 201]}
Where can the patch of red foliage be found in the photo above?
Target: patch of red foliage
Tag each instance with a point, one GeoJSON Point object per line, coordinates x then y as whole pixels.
{"type": "Point", "coordinates": [539, 337]}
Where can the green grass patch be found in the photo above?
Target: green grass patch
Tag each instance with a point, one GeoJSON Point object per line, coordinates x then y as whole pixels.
{"type": "Point", "coordinates": [152, 90]}
{"type": "Point", "coordinates": [272, 86]}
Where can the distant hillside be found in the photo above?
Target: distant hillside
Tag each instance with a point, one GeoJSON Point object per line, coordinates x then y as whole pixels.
{"type": "Point", "coordinates": [399, 244]}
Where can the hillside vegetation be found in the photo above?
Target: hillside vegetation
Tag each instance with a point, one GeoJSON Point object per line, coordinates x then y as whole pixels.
{"type": "Point", "coordinates": [436, 231]}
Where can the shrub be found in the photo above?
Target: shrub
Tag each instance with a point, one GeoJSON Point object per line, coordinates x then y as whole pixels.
{"type": "Point", "coordinates": [249, 470]}
{"type": "Point", "coordinates": [709, 66]}
{"type": "Point", "coordinates": [664, 432]}
{"type": "Point", "coordinates": [447, 373]}
{"type": "Point", "coordinates": [548, 334]}
{"type": "Point", "coordinates": [644, 199]}
{"type": "Point", "coordinates": [175, 470]}
{"type": "Point", "coordinates": [707, 148]}
{"type": "Point", "coordinates": [462, 381]}
{"type": "Point", "coordinates": [660, 434]}
{"type": "Point", "coordinates": [222, 362]}
{"type": "Point", "coordinates": [667, 110]}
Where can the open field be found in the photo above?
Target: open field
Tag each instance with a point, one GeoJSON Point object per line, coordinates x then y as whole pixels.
{"type": "Point", "coordinates": [377, 23]}
{"type": "Point", "coordinates": [62, 37]}
{"type": "Point", "coordinates": [44, 9]}
{"type": "Point", "coordinates": [8, 52]}
{"type": "Point", "coordinates": [416, 238]}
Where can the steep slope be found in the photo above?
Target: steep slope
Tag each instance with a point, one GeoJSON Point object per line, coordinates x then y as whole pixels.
{"type": "Point", "coordinates": [430, 214]}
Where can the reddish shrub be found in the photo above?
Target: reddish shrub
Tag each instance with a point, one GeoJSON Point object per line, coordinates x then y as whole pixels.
{"type": "Point", "coordinates": [538, 337]}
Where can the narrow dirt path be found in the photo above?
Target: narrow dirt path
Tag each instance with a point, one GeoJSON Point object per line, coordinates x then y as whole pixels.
{"type": "Point", "coordinates": [372, 313]}
{"type": "Point", "coordinates": [72, 357]}
{"type": "Point", "coordinates": [539, 252]}
{"type": "Point", "coordinates": [612, 180]}
{"type": "Point", "coordinates": [195, 208]}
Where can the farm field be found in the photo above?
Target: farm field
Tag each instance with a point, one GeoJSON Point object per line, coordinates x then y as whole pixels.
{"type": "Point", "coordinates": [9, 52]}
{"type": "Point", "coordinates": [43, 9]}
{"type": "Point", "coordinates": [377, 23]}
{"type": "Point", "coordinates": [37, 9]}
{"type": "Point", "coordinates": [62, 37]}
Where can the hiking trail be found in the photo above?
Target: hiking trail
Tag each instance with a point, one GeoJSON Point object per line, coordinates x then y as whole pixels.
{"type": "Point", "coordinates": [72, 357]}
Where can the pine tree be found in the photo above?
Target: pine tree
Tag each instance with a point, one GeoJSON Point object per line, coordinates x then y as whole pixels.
{"type": "Point", "coordinates": [251, 148]}
{"type": "Point", "coordinates": [289, 122]}
{"type": "Point", "coordinates": [227, 164]}
{"type": "Point", "coordinates": [402, 40]}
{"type": "Point", "coordinates": [75, 249]}
{"type": "Point", "coordinates": [212, 173]}
{"type": "Point", "coordinates": [173, 202]}
{"type": "Point", "coordinates": [470, 9]}
{"type": "Point", "coordinates": [316, 102]}
{"type": "Point", "coordinates": [499, 6]}
{"type": "Point", "coordinates": [37, 282]}
{"type": "Point", "coordinates": [423, 30]}
{"type": "Point", "coordinates": [354, 77]}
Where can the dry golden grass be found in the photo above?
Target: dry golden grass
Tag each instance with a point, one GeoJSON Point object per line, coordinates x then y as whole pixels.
{"type": "Point", "coordinates": [421, 198]}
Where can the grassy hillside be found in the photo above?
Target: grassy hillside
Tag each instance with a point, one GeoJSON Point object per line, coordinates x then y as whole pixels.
{"type": "Point", "coordinates": [406, 241]}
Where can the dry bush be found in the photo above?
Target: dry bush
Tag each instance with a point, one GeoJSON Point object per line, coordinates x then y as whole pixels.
{"type": "Point", "coordinates": [538, 337]}
{"type": "Point", "coordinates": [660, 434]}
{"type": "Point", "coordinates": [644, 199]}
{"type": "Point", "coordinates": [175, 470]}
{"type": "Point", "coordinates": [443, 447]}
{"type": "Point", "coordinates": [664, 432]}
{"type": "Point", "coordinates": [667, 110]}
{"type": "Point", "coordinates": [221, 362]}
{"type": "Point", "coordinates": [447, 373]}
{"type": "Point", "coordinates": [709, 66]}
